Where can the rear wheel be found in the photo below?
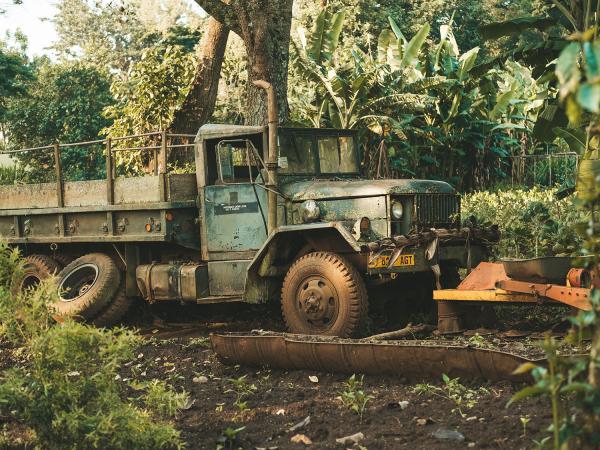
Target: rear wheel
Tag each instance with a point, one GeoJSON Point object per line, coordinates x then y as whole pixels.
{"type": "Point", "coordinates": [63, 259]}
{"type": "Point", "coordinates": [324, 294]}
{"type": "Point", "coordinates": [115, 311]}
{"type": "Point", "coordinates": [87, 285]}
{"type": "Point", "coordinates": [36, 269]}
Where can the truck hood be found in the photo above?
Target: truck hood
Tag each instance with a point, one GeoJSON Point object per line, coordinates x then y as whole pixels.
{"type": "Point", "coordinates": [322, 189]}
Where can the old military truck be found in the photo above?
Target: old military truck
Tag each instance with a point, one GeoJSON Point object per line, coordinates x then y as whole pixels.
{"type": "Point", "coordinates": [270, 214]}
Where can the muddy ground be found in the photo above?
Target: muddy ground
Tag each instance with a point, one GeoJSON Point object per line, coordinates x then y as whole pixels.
{"type": "Point", "coordinates": [396, 416]}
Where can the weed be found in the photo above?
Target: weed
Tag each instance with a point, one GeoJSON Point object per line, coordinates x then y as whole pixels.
{"type": "Point", "coordinates": [557, 381]}
{"type": "Point", "coordinates": [353, 396]}
{"type": "Point", "coordinates": [453, 390]}
{"type": "Point", "coordinates": [477, 341]}
{"type": "Point", "coordinates": [242, 390]}
{"type": "Point", "coordinates": [524, 421]}
{"type": "Point", "coordinates": [200, 342]}
{"type": "Point", "coordinates": [68, 390]}
{"type": "Point", "coordinates": [229, 438]}
{"type": "Point", "coordinates": [163, 399]}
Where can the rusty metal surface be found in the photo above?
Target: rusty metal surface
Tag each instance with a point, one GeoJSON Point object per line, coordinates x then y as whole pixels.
{"type": "Point", "coordinates": [572, 296]}
{"type": "Point", "coordinates": [483, 277]}
{"type": "Point", "coordinates": [547, 269]}
{"type": "Point", "coordinates": [411, 359]}
{"type": "Point", "coordinates": [321, 189]}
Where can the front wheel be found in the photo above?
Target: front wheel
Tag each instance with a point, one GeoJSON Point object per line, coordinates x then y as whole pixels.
{"type": "Point", "coordinates": [324, 294]}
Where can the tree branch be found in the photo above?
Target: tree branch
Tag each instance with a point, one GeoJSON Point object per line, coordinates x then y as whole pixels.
{"type": "Point", "coordinates": [222, 12]}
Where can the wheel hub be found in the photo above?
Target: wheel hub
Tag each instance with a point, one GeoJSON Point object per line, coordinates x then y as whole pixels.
{"type": "Point", "coordinates": [318, 302]}
{"type": "Point", "coordinates": [78, 282]}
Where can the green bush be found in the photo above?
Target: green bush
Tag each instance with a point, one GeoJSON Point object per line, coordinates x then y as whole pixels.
{"type": "Point", "coordinates": [69, 391]}
{"type": "Point", "coordinates": [533, 222]}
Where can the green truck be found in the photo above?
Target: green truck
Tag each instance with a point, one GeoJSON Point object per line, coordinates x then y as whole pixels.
{"type": "Point", "coordinates": [269, 214]}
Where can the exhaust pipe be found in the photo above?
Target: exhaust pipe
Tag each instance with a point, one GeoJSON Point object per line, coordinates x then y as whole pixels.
{"type": "Point", "coordinates": [272, 156]}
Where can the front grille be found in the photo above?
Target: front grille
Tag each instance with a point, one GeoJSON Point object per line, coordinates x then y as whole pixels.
{"type": "Point", "coordinates": [437, 210]}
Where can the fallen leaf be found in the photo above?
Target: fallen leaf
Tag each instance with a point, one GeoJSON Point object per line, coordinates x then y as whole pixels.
{"type": "Point", "coordinates": [313, 378]}
{"type": "Point", "coordinates": [280, 412]}
{"type": "Point", "coordinates": [301, 439]}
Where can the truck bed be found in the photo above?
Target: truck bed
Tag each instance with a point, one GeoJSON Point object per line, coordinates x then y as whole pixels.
{"type": "Point", "coordinates": [34, 213]}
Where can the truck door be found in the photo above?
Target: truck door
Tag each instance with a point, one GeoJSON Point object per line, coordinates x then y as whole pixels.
{"type": "Point", "coordinates": [236, 205]}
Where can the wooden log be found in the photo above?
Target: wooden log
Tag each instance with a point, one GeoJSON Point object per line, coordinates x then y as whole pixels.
{"type": "Point", "coordinates": [408, 329]}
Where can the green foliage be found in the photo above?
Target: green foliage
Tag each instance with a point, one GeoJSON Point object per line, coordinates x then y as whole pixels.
{"type": "Point", "coordinates": [573, 384]}
{"type": "Point", "coordinates": [11, 174]}
{"type": "Point", "coordinates": [14, 74]}
{"type": "Point", "coordinates": [68, 390]}
{"type": "Point", "coordinates": [63, 104]}
{"type": "Point", "coordinates": [161, 398]}
{"type": "Point", "coordinates": [439, 119]}
{"type": "Point", "coordinates": [229, 438]}
{"type": "Point", "coordinates": [242, 390]}
{"type": "Point", "coordinates": [454, 391]}
{"type": "Point", "coordinates": [563, 382]}
{"type": "Point", "coordinates": [533, 222]}
{"type": "Point", "coordinates": [112, 36]}
{"type": "Point", "coordinates": [148, 97]}
{"type": "Point", "coordinates": [353, 396]}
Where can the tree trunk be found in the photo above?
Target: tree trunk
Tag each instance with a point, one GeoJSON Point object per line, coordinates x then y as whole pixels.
{"type": "Point", "coordinates": [264, 26]}
{"type": "Point", "coordinates": [267, 41]}
{"type": "Point", "coordinates": [199, 105]}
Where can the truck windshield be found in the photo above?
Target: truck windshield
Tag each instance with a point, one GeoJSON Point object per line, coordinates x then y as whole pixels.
{"type": "Point", "coordinates": [302, 154]}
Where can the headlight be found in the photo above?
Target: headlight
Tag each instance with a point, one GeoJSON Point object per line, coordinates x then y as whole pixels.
{"type": "Point", "coordinates": [397, 210]}
{"type": "Point", "coordinates": [310, 211]}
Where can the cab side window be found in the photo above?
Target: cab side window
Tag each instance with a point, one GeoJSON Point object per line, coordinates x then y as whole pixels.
{"type": "Point", "coordinates": [236, 164]}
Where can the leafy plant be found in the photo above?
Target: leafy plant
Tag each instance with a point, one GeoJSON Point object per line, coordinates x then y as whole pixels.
{"type": "Point", "coordinates": [531, 221]}
{"type": "Point", "coordinates": [68, 390]}
{"type": "Point", "coordinates": [452, 390]}
{"type": "Point", "coordinates": [353, 396]}
{"type": "Point", "coordinates": [163, 399]}
{"type": "Point", "coordinates": [242, 390]}
{"type": "Point", "coordinates": [229, 438]}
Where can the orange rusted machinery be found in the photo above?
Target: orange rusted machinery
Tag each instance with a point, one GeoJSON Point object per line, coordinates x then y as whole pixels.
{"type": "Point", "coordinates": [547, 280]}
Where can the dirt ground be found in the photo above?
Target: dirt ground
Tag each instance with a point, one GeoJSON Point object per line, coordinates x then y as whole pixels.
{"type": "Point", "coordinates": [395, 417]}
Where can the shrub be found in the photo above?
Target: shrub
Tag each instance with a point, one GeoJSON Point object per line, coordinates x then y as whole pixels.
{"type": "Point", "coordinates": [533, 222]}
{"type": "Point", "coordinates": [69, 391]}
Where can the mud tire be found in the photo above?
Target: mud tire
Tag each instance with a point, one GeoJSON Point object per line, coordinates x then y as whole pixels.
{"type": "Point", "coordinates": [63, 259]}
{"type": "Point", "coordinates": [94, 279]}
{"type": "Point", "coordinates": [35, 269]}
{"type": "Point", "coordinates": [341, 279]}
{"type": "Point", "coordinates": [115, 311]}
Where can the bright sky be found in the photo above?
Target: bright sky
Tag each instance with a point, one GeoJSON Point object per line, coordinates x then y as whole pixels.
{"type": "Point", "coordinates": [29, 18]}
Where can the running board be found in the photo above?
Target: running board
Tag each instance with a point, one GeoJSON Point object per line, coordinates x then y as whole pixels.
{"type": "Point", "coordinates": [407, 358]}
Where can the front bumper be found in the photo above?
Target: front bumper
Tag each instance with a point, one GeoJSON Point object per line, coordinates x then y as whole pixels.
{"type": "Point", "coordinates": [419, 252]}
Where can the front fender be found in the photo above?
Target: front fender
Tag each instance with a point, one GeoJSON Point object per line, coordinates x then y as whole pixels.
{"type": "Point", "coordinates": [272, 260]}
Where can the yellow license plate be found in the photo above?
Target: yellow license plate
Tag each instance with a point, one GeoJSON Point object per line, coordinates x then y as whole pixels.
{"type": "Point", "coordinates": [382, 262]}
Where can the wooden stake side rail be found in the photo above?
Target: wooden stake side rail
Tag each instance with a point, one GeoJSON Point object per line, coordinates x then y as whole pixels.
{"type": "Point", "coordinates": [159, 153]}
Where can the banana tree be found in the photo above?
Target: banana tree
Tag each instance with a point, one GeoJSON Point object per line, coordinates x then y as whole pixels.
{"type": "Point", "coordinates": [351, 93]}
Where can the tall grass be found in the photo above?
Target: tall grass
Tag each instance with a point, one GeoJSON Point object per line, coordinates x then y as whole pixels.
{"type": "Point", "coordinates": [68, 391]}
